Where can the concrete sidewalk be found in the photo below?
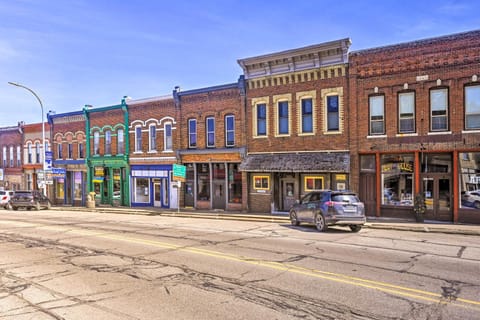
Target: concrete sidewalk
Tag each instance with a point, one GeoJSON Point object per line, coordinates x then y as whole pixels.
{"type": "Point", "coordinates": [372, 222]}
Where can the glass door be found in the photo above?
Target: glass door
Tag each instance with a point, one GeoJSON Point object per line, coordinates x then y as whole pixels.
{"type": "Point", "coordinates": [437, 192]}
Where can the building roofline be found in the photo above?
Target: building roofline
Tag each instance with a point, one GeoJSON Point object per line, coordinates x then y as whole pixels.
{"type": "Point", "coordinates": [208, 89]}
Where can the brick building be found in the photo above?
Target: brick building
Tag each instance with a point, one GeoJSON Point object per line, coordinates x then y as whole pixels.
{"type": "Point", "coordinates": [11, 157]}
{"type": "Point", "coordinates": [69, 171]}
{"type": "Point", "coordinates": [212, 145]}
{"type": "Point", "coordinates": [154, 137]}
{"type": "Point", "coordinates": [107, 146]}
{"type": "Point", "coordinates": [415, 121]}
{"type": "Point", "coordinates": [33, 157]}
{"type": "Point", "coordinates": [297, 133]}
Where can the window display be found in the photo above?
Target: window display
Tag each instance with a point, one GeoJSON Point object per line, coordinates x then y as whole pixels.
{"type": "Point", "coordinates": [469, 180]}
{"type": "Point", "coordinates": [397, 179]}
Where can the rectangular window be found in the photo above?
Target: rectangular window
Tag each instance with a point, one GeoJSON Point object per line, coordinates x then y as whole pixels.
{"type": "Point", "coordinates": [377, 115]}
{"type": "Point", "coordinates": [120, 142]}
{"type": "Point", "coordinates": [96, 143]}
{"type": "Point", "coordinates": [108, 142]}
{"type": "Point", "coordinates": [70, 151]}
{"type": "Point", "coordinates": [333, 116]}
{"type": "Point", "coordinates": [59, 151]}
{"type": "Point", "coordinates": [230, 131]}
{"type": "Point", "coordinates": [152, 134]}
{"type": "Point", "coordinates": [439, 110]}
{"type": "Point", "coordinates": [472, 107]}
{"type": "Point", "coordinates": [283, 117]}
{"type": "Point", "coordinates": [397, 179]}
{"type": "Point", "coordinates": [80, 150]}
{"type": "Point", "coordinates": [192, 133]}
{"type": "Point", "coordinates": [313, 183]}
{"type": "Point", "coordinates": [261, 182]}
{"type": "Point", "coordinates": [406, 112]}
{"type": "Point", "coordinates": [142, 190]}
{"type": "Point", "coordinates": [19, 156]}
{"type": "Point", "coordinates": [138, 139]}
{"type": "Point", "coordinates": [11, 157]}
{"type": "Point", "coordinates": [307, 115]}
{"type": "Point", "coordinates": [210, 132]}
{"type": "Point", "coordinates": [29, 147]}
{"type": "Point", "coordinates": [261, 119]}
{"type": "Point", "coordinates": [203, 181]}
{"type": "Point", "coordinates": [168, 137]}
{"type": "Point", "coordinates": [4, 155]}
{"type": "Point", "coordinates": [37, 152]}
{"type": "Point", "coordinates": [234, 183]}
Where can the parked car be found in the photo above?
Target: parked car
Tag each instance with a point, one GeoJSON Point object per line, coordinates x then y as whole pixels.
{"type": "Point", "coordinates": [471, 198]}
{"type": "Point", "coordinates": [29, 199]}
{"type": "Point", "coordinates": [326, 207]}
{"type": "Point", "coordinates": [5, 196]}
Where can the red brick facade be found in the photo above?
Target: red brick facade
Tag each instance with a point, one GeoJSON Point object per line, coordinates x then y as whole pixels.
{"type": "Point", "coordinates": [11, 157]}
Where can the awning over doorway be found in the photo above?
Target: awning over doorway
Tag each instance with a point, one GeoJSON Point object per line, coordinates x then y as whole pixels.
{"type": "Point", "coordinates": [297, 162]}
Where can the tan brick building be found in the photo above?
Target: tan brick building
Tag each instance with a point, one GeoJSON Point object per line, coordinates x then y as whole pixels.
{"type": "Point", "coordinates": [415, 127]}
{"type": "Point", "coordinates": [297, 132]}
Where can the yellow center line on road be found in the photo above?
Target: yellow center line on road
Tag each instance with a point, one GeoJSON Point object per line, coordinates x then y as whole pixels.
{"type": "Point", "coordinates": [331, 276]}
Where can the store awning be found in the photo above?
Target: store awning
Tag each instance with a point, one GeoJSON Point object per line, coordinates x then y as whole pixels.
{"type": "Point", "coordinates": [297, 162]}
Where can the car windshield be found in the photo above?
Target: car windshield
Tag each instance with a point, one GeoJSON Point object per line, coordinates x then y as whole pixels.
{"type": "Point", "coordinates": [351, 198]}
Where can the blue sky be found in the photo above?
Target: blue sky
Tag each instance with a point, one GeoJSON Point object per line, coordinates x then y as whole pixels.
{"type": "Point", "coordinates": [78, 52]}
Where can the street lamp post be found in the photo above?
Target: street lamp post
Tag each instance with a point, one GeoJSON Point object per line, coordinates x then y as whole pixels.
{"type": "Point", "coordinates": [43, 132]}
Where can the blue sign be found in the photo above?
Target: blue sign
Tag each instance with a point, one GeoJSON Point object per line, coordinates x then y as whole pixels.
{"type": "Point", "coordinates": [48, 160]}
{"type": "Point", "coordinates": [59, 173]}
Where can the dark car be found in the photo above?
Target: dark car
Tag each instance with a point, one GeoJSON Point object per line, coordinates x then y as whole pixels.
{"type": "Point", "coordinates": [29, 199]}
{"type": "Point", "coordinates": [326, 207]}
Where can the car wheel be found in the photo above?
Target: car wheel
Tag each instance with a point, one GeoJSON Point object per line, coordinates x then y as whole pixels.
{"type": "Point", "coordinates": [293, 218]}
{"type": "Point", "coordinates": [355, 227]}
{"type": "Point", "coordinates": [8, 206]}
{"type": "Point", "coordinates": [37, 206]}
{"type": "Point", "coordinates": [320, 222]}
{"type": "Point", "coordinates": [15, 208]}
{"type": "Point", "coordinates": [476, 204]}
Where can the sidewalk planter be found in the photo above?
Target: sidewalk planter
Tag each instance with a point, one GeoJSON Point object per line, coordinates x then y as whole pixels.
{"type": "Point", "coordinates": [419, 207]}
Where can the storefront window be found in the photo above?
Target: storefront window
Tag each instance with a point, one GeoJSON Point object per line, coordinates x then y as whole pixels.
{"type": "Point", "coordinates": [203, 175]}
{"type": "Point", "coordinates": [142, 190]}
{"type": "Point", "coordinates": [234, 184]}
{"type": "Point", "coordinates": [59, 188]}
{"type": "Point", "coordinates": [77, 185]}
{"type": "Point", "coordinates": [469, 180]}
{"type": "Point", "coordinates": [397, 179]}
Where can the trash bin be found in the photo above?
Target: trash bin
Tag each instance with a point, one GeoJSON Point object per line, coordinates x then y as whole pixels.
{"type": "Point", "coordinates": [91, 200]}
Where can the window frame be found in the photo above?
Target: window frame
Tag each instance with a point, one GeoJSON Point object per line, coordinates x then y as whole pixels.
{"type": "Point", "coordinates": [96, 143]}
{"type": "Point", "coordinates": [432, 117]}
{"type": "Point", "coordinates": [168, 137]}
{"type": "Point", "coordinates": [19, 156]}
{"type": "Point", "coordinates": [138, 139]}
{"type": "Point", "coordinates": [37, 153]}
{"type": "Point", "coordinates": [120, 141]}
{"type": "Point", "coordinates": [328, 113]}
{"type": "Point", "coordinates": [152, 138]}
{"type": "Point", "coordinates": [283, 106]}
{"type": "Point", "coordinates": [192, 135]}
{"type": "Point", "coordinates": [59, 151]}
{"type": "Point", "coordinates": [81, 150]}
{"type": "Point", "coordinates": [230, 132]}
{"type": "Point", "coordinates": [304, 114]}
{"type": "Point", "coordinates": [406, 115]}
{"type": "Point", "coordinates": [466, 104]}
{"type": "Point", "coordinates": [305, 184]}
{"type": "Point", "coordinates": [108, 142]}
{"type": "Point", "coordinates": [70, 151]}
{"type": "Point", "coordinates": [261, 179]}
{"type": "Point", "coordinates": [371, 121]}
{"type": "Point", "coordinates": [12, 161]}
{"type": "Point", "coordinates": [210, 132]}
{"type": "Point", "coordinates": [261, 121]}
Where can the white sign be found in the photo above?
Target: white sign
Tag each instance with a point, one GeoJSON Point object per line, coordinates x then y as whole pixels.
{"type": "Point", "coordinates": [1, 174]}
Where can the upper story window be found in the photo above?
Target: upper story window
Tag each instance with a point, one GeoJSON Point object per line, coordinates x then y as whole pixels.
{"type": "Point", "coordinates": [192, 133]}
{"type": "Point", "coordinates": [152, 138]}
{"type": "Point", "coordinates": [29, 152]}
{"type": "Point", "coordinates": [283, 118]}
{"type": "Point", "coordinates": [472, 107]}
{"type": "Point", "coordinates": [307, 115]}
{"type": "Point", "coordinates": [37, 152]}
{"type": "Point", "coordinates": [230, 130]}
{"type": "Point", "coordinates": [120, 142]}
{"type": "Point", "coordinates": [96, 143]}
{"type": "Point", "coordinates": [11, 157]}
{"type": "Point", "coordinates": [168, 137]}
{"type": "Point", "coordinates": [19, 156]}
{"type": "Point", "coordinates": [138, 139]}
{"type": "Point", "coordinates": [439, 109]}
{"type": "Point", "coordinates": [80, 151]}
{"type": "Point", "coordinates": [333, 115]}
{"type": "Point", "coordinates": [210, 121]}
{"type": "Point", "coordinates": [108, 142]}
{"type": "Point", "coordinates": [4, 156]}
{"type": "Point", "coordinates": [261, 119]}
{"type": "Point", "coordinates": [406, 112]}
{"type": "Point", "coordinates": [377, 115]}
{"type": "Point", "coordinates": [59, 151]}
{"type": "Point", "coordinates": [70, 151]}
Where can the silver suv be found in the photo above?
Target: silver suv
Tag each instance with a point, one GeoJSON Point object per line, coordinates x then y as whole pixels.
{"type": "Point", "coordinates": [5, 196]}
{"type": "Point", "coordinates": [29, 199]}
{"type": "Point", "coordinates": [325, 208]}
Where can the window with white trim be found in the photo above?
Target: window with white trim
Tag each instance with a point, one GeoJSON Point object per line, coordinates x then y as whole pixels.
{"type": "Point", "coordinates": [120, 142]}
{"type": "Point", "coordinates": [192, 133]}
{"type": "Point", "coordinates": [377, 115]}
{"type": "Point", "coordinates": [96, 143]}
{"type": "Point", "coordinates": [29, 152]}
{"type": "Point", "coordinates": [19, 156]}
{"type": "Point", "coordinates": [152, 138]}
{"type": "Point", "coordinates": [439, 109]}
{"type": "Point", "coordinates": [406, 112]}
{"type": "Point", "coordinates": [59, 151]}
{"type": "Point", "coordinates": [229, 130]}
{"type": "Point", "coordinates": [70, 151]}
{"type": "Point", "coordinates": [108, 142]}
{"type": "Point", "coordinates": [37, 152]}
{"type": "Point", "coordinates": [11, 157]}
{"type": "Point", "coordinates": [138, 139]}
{"type": "Point", "coordinates": [472, 107]}
{"type": "Point", "coordinates": [80, 151]}
{"type": "Point", "coordinates": [210, 124]}
{"type": "Point", "coordinates": [4, 156]}
{"type": "Point", "coordinates": [168, 137]}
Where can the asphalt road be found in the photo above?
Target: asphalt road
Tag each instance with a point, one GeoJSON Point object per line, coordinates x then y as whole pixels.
{"type": "Point", "coordinates": [83, 265]}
